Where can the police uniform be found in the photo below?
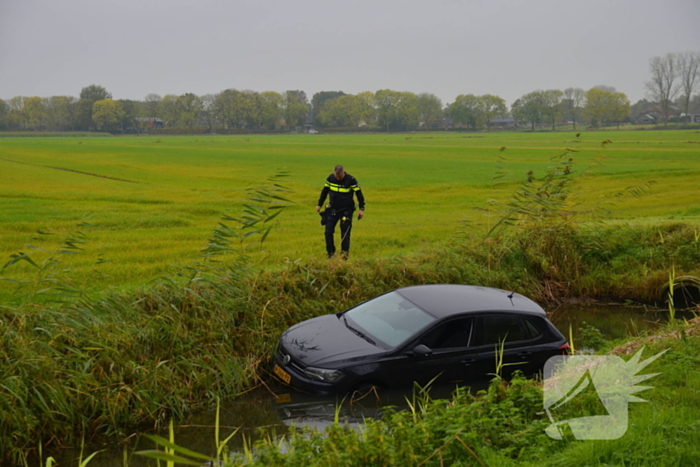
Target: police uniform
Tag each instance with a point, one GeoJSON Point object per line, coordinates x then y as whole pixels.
{"type": "Point", "coordinates": [340, 209]}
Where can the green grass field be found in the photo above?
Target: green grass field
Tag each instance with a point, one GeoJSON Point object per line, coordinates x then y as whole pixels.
{"type": "Point", "coordinates": [153, 201]}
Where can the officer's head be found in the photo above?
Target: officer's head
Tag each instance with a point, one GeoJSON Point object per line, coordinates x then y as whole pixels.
{"type": "Point", "coordinates": [339, 172]}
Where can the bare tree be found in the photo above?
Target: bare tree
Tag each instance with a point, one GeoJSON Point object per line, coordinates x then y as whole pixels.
{"type": "Point", "coordinates": [662, 87]}
{"type": "Point", "coordinates": [689, 74]}
{"type": "Point", "coordinates": [573, 100]}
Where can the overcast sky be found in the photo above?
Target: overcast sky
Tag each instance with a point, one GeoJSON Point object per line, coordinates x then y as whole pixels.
{"type": "Point", "coordinates": [444, 47]}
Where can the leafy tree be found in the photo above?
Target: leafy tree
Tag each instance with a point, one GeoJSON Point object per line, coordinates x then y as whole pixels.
{"type": "Point", "coordinates": [396, 110]}
{"type": "Point", "coordinates": [552, 107]}
{"type": "Point", "coordinates": [429, 108]}
{"type": "Point", "coordinates": [237, 109]}
{"type": "Point", "coordinates": [251, 109]}
{"type": "Point", "coordinates": [271, 109]}
{"type": "Point", "coordinates": [466, 109]}
{"type": "Point", "coordinates": [367, 108]}
{"type": "Point", "coordinates": [689, 74]}
{"type": "Point", "coordinates": [16, 113]}
{"type": "Point", "coordinates": [152, 103]}
{"type": "Point", "coordinates": [4, 108]}
{"type": "Point", "coordinates": [88, 96]}
{"type": "Point", "coordinates": [61, 113]}
{"type": "Point", "coordinates": [169, 110]}
{"type": "Point", "coordinates": [573, 99]}
{"type": "Point", "coordinates": [343, 111]}
{"type": "Point", "coordinates": [107, 114]}
{"type": "Point", "coordinates": [131, 112]}
{"type": "Point", "coordinates": [190, 107]}
{"type": "Point", "coordinates": [296, 109]}
{"type": "Point", "coordinates": [662, 87]}
{"type": "Point", "coordinates": [94, 93]}
{"type": "Point", "coordinates": [530, 108]}
{"type": "Point", "coordinates": [35, 111]}
{"type": "Point", "coordinates": [319, 100]}
{"type": "Point", "coordinates": [208, 113]}
{"type": "Point", "coordinates": [605, 107]}
{"type": "Point", "coordinates": [492, 107]}
{"type": "Point", "coordinates": [620, 108]}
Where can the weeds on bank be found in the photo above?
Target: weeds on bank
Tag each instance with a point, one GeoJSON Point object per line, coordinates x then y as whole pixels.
{"type": "Point", "coordinates": [75, 366]}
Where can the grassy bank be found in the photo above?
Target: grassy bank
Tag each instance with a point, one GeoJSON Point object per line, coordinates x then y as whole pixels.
{"type": "Point", "coordinates": [106, 366]}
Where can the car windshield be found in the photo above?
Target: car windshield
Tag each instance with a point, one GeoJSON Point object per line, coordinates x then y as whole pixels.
{"type": "Point", "coordinates": [389, 318]}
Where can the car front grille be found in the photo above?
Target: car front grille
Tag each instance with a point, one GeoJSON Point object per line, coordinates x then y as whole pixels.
{"type": "Point", "coordinates": [280, 354]}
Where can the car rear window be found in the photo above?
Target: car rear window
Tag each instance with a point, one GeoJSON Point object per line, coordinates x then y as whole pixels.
{"type": "Point", "coordinates": [532, 328]}
{"type": "Point", "coordinates": [389, 318]}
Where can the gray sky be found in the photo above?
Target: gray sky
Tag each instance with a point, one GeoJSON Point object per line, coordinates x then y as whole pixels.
{"type": "Point", "coordinates": [445, 47]}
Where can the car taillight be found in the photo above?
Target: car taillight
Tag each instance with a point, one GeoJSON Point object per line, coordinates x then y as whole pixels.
{"type": "Point", "coordinates": [564, 349]}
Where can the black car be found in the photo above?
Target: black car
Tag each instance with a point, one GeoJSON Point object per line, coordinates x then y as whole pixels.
{"type": "Point", "coordinates": [442, 333]}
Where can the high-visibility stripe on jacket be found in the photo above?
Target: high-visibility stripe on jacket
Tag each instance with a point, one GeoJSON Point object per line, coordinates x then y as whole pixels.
{"type": "Point", "coordinates": [341, 192]}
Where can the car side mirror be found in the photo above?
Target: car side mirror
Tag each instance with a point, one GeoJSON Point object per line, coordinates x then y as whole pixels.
{"type": "Point", "coordinates": [422, 350]}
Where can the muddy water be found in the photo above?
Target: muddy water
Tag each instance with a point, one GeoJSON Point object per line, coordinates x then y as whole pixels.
{"type": "Point", "coordinates": [269, 412]}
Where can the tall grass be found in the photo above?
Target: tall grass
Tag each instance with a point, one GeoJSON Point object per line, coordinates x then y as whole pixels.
{"type": "Point", "coordinates": [77, 367]}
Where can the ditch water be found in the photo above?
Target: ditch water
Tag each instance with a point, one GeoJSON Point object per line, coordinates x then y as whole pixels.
{"type": "Point", "coordinates": [271, 411]}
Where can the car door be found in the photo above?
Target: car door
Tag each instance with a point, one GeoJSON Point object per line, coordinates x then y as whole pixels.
{"type": "Point", "coordinates": [505, 343]}
{"type": "Point", "coordinates": [448, 358]}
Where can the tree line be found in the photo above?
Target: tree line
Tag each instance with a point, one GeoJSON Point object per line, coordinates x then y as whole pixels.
{"type": "Point", "coordinates": [674, 80]}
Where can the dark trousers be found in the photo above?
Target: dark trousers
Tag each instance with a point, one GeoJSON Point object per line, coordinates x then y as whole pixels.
{"type": "Point", "coordinates": [332, 218]}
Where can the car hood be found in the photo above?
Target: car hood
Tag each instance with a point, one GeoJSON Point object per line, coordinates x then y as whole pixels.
{"type": "Point", "coordinates": [326, 341]}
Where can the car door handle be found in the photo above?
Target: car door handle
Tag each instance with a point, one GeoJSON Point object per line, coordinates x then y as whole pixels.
{"type": "Point", "coordinates": [524, 354]}
{"type": "Point", "coordinates": [467, 362]}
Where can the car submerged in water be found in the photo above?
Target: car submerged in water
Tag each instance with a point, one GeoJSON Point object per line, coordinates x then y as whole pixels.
{"type": "Point", "coordinates": [442, 333]}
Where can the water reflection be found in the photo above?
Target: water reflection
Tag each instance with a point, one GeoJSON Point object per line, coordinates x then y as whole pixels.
{"type": "Point", "coordinates": [613, 320]}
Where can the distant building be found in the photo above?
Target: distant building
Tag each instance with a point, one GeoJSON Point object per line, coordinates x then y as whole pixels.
{"type": "Point", "coordinates": [441, 123]}
{"type": "Point", "coordinates": [150, 122]}
{"type": "Point", "coordinates": [508, 122]}
{"type": "Point", "coordinates": [694, 114]}
{"type": "Point", "coordinates": [655, 115]}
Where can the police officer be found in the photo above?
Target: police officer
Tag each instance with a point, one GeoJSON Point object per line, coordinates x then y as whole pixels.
{"type": "Point", "coordinates": [341, 187]}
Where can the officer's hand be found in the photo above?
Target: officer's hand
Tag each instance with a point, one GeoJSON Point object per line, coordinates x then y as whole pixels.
{"type": "Point", "coordinates": [318, 208]}
{"type": "Point", "coordinates": [360, 215]}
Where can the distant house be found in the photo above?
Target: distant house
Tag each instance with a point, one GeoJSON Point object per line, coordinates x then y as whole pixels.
{"type": "Point", "coordinates": [150, 122]}
{"type": "Point", "coordinates": [694, 114]}
{"type": "Point", "coordinates": [508, 122]}
{"type": "Point", "coordinates": [655, 115]}
{"type": "Point", "coordinates": [645, 119]}
{"type": "Point", "coordinates": [441, 123]}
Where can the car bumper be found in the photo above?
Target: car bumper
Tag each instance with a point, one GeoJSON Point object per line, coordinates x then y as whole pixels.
{"type": "Point", "coordinates": [290, 373]}
{"type": "Point", "coordinates": [295, 379]}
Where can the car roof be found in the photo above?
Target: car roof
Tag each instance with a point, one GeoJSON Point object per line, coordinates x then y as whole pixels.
{"type": "Point", "coordinates": [444, 300]}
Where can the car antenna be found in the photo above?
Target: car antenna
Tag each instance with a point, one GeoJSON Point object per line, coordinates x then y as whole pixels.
{"type": "Point", "coordinates": [511, 295]}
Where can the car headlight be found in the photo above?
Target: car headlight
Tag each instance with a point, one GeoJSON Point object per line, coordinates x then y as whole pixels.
{"type": "Point", "coordinates": [320, 374]}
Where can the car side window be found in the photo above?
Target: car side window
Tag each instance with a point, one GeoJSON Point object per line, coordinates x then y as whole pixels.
{"type": "Point", "coordinates": [532, 328]}
{"type": "Point", "coordinates": [453, 334]}
{"type": "Point", "coordinates": [502, 328]}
